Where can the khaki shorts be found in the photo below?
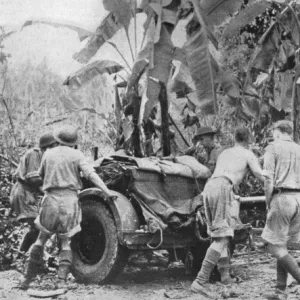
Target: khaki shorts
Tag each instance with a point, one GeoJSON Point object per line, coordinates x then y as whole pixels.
{"type": "Point", "coordinates": [59, 213]}
{"type": "Point", "coordinates": [283, 219]}
{"type": "Point", "coordinates": [24, 202]}
{"type": "Point", "coordinates": [221, 208]}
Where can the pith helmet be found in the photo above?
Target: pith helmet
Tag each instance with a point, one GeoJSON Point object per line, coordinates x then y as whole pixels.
{"type": "Point", "coordinates": [204, 131]}
{"type": "Point", "coordinates": [66, 135]}
{"type": "Point", "coordinates": [46, 140]}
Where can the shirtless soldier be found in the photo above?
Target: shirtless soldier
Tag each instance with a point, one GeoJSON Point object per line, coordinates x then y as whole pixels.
{"type": "Point", "coordinates": [282, 190]}
{"type": "Point", "coordinates": [219, 202]}
{"type": "Point", "coordinates": [60, 211]}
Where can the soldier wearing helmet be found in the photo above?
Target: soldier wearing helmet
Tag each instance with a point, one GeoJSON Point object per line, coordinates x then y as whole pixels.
{"type": "Point", "coordinates": [60, 211]}
{"type": "Point", "coordinates": [25, 192]}
{"type": "Point", "coordinates": [205, 150]}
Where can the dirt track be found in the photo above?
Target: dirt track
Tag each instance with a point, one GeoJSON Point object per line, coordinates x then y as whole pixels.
{"type": "Point", "coordinates": [154, 282]}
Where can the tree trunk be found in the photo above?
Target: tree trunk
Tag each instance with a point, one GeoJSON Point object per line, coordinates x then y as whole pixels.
{"type": "Point", "coordinates": [118, 115]}
{"type": "Point", "coordinates": [136, 142]}
{"type": "Point", "coordinates": [165, 139]}
{"type": "Point", "coordinates": [295, 104]}
{"type": "Point", "coordinates": [296, 113]}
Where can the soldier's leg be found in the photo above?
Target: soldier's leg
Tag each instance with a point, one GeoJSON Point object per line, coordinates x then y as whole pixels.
{"type": "Point", "coordinates": [213, 254]}
{"type": "Point", "coordinates": [224, 267]}
{"type": "Point", "coordinates": [35, 260]}
{"type": "Point", "coordinates": [285, 260]}
{"type": "Point", "coordinates": [65, 259]}
{"type": "Point", "coordinates": [29, 238]}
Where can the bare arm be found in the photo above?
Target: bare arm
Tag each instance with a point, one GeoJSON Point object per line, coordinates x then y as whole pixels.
{"type": "Point", "coordinates": [269, 170]}
{"type": "Point", "coordinates": [255, 167]}
{"type": "Point", "coordinates": [89, 172]}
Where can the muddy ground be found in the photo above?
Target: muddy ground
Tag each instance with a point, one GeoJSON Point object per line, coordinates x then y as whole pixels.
{"type": "Point", "coordinates": [161, 282]}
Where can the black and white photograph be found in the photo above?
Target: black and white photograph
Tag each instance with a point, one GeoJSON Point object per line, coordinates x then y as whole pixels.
{"type": "Point", "coordinates": [150, 149]}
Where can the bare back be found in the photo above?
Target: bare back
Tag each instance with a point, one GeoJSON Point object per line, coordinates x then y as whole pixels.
{"type": "Point", "coordinates": [233, 163]}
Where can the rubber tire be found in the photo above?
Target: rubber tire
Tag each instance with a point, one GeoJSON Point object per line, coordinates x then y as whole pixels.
{"type": "Point", "coordinates": [114, 257]}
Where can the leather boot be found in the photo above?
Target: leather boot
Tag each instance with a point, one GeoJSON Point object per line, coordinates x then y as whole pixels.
{"type": "Point", "coordinates": [34, 264]}
{"type": "Point", "coordinates": [276, 295]}
{"type": "Point", "coordinates": [201, 283]}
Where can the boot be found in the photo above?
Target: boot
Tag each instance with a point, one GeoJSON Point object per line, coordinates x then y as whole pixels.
{"type": "Point", "coordinates": [224, 270]}
{"type": "Point", "coordinates": [201, 283]}
{"type": "Point", "coordinates": [276, 295]}
{"type": "Point", "coordinates": [288, 263]}
{"type": "Point", "coordinates": [64, 268]}
{"type": "Point", "coordinates": [34, 264]}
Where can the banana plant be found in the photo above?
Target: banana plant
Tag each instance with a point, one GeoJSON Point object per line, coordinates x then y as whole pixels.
{"type": "Point", "coordinates": [199, 56]}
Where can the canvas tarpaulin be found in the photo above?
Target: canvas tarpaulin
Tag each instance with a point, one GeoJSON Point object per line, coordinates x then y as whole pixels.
{"type": "Point", "coordinates": [167, 195]}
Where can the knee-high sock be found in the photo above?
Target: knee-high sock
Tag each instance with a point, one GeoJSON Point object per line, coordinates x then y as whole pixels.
{"type": "Point", "coordinates": [211, 258]}
{"type": "Point", "coordinates": [290, 265]}
{"type": "Point", "coordinates": [224, 266]}
{"type": "Point", "coordinates": [28, 239]}
{"type": "Point", "coordinates": [281, 277]}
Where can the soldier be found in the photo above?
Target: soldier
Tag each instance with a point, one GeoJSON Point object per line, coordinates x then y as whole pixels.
{"type": "Point", "coordinates": [208, 157]}
{"type": "Point", "coordinates": [25, 192]}
{"type": "Point", "coordinates": [282, 191]}
{"type": "Point", "coordinates": [60, 212]}
{"type": "Point", "coordinates": [220, 208]}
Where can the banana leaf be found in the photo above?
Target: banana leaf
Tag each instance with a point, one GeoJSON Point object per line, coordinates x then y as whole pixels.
{"type": "Point", "coordinates": [181, 82]}
{"type": "Point", "coordinates": [203, 68]}
{"type": "Point", "coordinates": [104, 32]}
{"type": "Point", "coordinates": [286, 91]}
{"type": "Point", "coordinates": [136, 73]}
{"type": "Point", "coordinates": [216, 11]}
{"type": "Point", "coordinates": [248, 14]}
{"type": "Point", "coordinates": [92, 70]}
{"type": "Point", "coordinates": [82, 33]}
{"type": "Point", "coordinates": [267, 48]}
{"type": "Point", "coordinates": [162, 61]}
{"type": "Point", "coordinates": [121, 10]}
{"type": "Point", "coordinates": [229, 84]}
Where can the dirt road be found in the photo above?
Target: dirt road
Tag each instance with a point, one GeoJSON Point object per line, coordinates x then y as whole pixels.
{"type": "Point", "coordinates": [154, 283]}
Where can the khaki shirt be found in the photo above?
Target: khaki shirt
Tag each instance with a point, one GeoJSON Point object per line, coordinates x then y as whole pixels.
{"type": "Point", "coordinates": [282, 164]}
{"type": "Point", "coordinates": [61, 166]}
{"type": "Point", "coordinates": [29, 162]}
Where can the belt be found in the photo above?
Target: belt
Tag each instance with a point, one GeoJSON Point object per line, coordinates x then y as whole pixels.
{"type": "Point", "coordinates": [224, 177]}
{"type": "Point", "coordinates": [285, 190]}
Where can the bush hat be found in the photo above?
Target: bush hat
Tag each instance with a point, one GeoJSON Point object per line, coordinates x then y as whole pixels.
{"type": "Point", "coordinates": [204, 131]}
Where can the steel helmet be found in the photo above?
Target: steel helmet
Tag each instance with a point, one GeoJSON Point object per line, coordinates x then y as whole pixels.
{"type": "Point", "coordinates": [46, 140]}
{"type": "Point", "coordinates": [66, 135]}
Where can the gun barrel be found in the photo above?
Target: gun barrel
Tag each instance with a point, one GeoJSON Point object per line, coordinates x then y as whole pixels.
{"type": "Point", "coordinates": [257, 199]}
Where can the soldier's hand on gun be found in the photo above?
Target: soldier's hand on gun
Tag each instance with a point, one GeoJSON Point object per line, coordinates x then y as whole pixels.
{"type": "Point", "coordinates": [110, 196]}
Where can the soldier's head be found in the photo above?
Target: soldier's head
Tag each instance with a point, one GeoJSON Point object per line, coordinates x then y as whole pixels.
{"type": "Point", "coordinates": [206, 137]}
{"type": "Point", "coordinates": [66, 135]}
{"type": "Point", "coordinates": [47, 141]}
{"type": "Point", "coordinates": [242, 136]}
{"type": "Point", "coordinates": [282, 129]}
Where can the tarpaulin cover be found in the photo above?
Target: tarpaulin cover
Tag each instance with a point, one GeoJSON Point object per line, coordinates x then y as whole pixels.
{"type": "Point", "coordinates": [167, 194]}
{"type": "Point", "coordinates": [185, 165]}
